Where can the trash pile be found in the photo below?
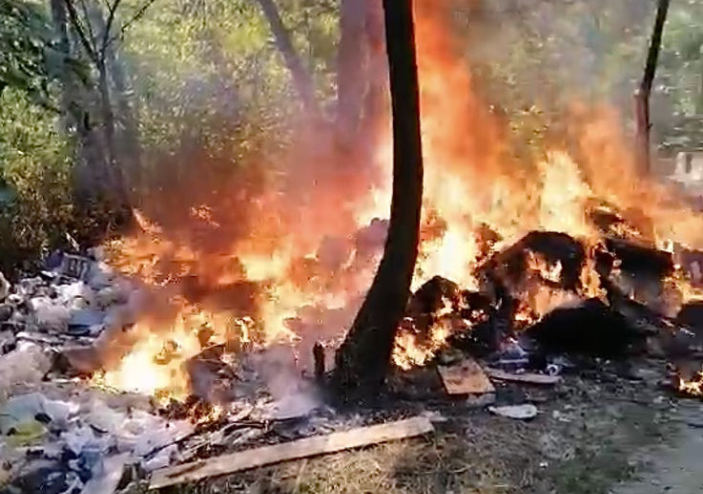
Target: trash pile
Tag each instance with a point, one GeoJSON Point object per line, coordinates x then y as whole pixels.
{"type": "Point", "coordinates": [72, 304]}
{"type": "Point", "coordinates": [61, 435]}
{"type": "Point", "coordinates": [63, 432]}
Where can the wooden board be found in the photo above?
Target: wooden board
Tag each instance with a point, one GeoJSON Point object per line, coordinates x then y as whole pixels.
{"type": "Point", "coordinates": [465, 378]}
{"type": "Point", "coordinates": [302, 448]}
{"type": "Point", "coordinates": [526, 377]}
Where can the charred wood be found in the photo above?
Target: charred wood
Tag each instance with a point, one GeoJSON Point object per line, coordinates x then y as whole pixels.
{"type": "Point", "coordinates": [511, 266]}
{"type": "Point", "coordinates": [318, 355]}
{"type": "Point", "coordinates": [489, 326]}
{"type": "Point", "coordinates": [591, 329]}
{"type": "Point", "coordinates": [641, 260]}
{"type": "Point", "coordinates": [434, 295]}
{"type": "Point", "coordinates": [691, 315]}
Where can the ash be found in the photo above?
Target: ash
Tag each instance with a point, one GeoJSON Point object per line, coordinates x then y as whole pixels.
{"type": "Point", "coordinates": [62, 431]}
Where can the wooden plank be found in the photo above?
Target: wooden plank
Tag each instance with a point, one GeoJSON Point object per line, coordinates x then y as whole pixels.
{"type": "Point", "coordinates": [526, 377]}
{"type": "Point", "coordinates": [302, 448]}
{"type": "Point", "coordinates": [465, 378]}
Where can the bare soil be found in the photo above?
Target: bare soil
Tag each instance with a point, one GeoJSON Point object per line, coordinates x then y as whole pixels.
{"type": "Point", "coordinates": [595, 433]}
{"type": "Point", "coordinates": [675, 466]}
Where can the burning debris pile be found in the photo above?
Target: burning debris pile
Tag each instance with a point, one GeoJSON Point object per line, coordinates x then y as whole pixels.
{"type": "Point", "coordinates": [539, 307]}
{"type": "Point", "coordinates": [63, 430]}
{"type": "Point", "coordinates": [198, 339]}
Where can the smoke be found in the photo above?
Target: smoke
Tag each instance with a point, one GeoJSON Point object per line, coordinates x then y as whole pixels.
{"type": "Point", "coordinates": [551, 53]}
{"type": "Point", "coordinates": [280, 228]}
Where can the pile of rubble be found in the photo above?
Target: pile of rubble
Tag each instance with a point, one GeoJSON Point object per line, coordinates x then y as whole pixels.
{"type": "Point", "coordinates": [60, 433]}
{"type": "Point", "coordinates": [63, 432]}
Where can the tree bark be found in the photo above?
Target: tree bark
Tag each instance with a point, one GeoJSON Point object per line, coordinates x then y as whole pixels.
{"type": "Point", "coordinates": [642, 117]}
{"type": "Point", "coordinates": [99, 186]}
{"type": "Point", "coordinates": [351, 83]}
{"type": "Point", "coordinates": [363, 359]}
{"type": "Point", "coordinates": [74, 118]}
{"type": "Point", "coordinates": [120, 126]}
{"type": "Point", "coordinates": [301, 77]}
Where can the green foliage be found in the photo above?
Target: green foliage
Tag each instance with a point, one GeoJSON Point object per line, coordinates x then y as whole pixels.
{"type": "Point", "coordinates": [29, 59]}
{"type": "Point", "coordinates": [36, 208]}
{"type": "Point", "coordinates": [680, 79]}
{"type": "Point", "coordinates": [206, 75]}
{"type": "Point", "coordinates": [221, 71]}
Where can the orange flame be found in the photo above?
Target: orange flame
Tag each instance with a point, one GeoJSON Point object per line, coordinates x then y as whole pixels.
{"type": "Point", "coordinates": [293, 251]}
{"type": "Point", "coordinates": [693, 387]}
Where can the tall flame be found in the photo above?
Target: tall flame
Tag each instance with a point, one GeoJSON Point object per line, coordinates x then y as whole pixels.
{"type": "Point", "coordinates": [295, 249]}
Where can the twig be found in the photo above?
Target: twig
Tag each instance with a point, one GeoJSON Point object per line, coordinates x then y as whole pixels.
{"type": "Point", "coordinates": [89, 25]}
{"type": "Point", "coordinates": [140, 13]}
{"type": "Point", "coordinates": [108, 25]}
{"type": "Point", "coordinates": [73, 15]}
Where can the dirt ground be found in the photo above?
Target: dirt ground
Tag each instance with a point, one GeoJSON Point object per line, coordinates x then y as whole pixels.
{"type": "Point", "coordinates": [596, 433]}
{"type": "Point", "coordinates": [675, 466]}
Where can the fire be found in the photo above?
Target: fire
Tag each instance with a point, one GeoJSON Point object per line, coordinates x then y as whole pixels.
{"type": "Point", "coordinates": [693, 387]}
{"type": "Point", "coordinates": [410, 351]}
{"type": "Point", "coordinates": [414, 348]}
{"type": "Point", "coordinates": [286, 255]}
{"type": "Point", "coordinates": [543, 268]}
{"type": "Point", "coordinates": [154, 365]}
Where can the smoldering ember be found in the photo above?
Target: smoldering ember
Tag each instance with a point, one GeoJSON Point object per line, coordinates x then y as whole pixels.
{"type": "Point", "coordinates": [380, 246]}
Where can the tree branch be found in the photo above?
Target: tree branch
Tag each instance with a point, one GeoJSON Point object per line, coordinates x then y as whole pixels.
{"type": "Point", "coordinates": [89, 26]}
{"type": "Point", "coordinates": [302, 80]}
{"type": "Point", "coordinates": [140, 13]}
{"type": "Point", "coordinates": [108, 26]}
{"type": "Point", "coordinates": [654, 48]}
{"type": "Point", "coordinates": [76, 23]}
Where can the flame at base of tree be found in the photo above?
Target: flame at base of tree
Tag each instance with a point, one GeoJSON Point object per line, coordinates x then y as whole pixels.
{"type": "Point", "coordinates": [285, 251]}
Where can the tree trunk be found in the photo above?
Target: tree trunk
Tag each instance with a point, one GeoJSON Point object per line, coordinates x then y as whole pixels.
{"type": "Point", "coordinates": [117, 188]}
{"type": "Point", "coordinates": [375, 103]}
{"type": "Point", "coordinates": [363, 359]}
{"type": "Point", "coordinates": [642, 120]}
{"type": "Point", "coordinates": [124, 123]}
{"type": "Point", "coordinates": [350, 70]}
{"type": "Point", "coordinates": [74, 119]}
{"type": "Point", "coordinates": [301, 77]}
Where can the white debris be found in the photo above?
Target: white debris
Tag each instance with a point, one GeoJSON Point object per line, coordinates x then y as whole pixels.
{"type": "Point", "coordinates": [110, 478]}
{"type": "Point", "coordinates": [50, 314]}
{"type": "Point", "coordinates": [517, 412]}
{"type": "Point", "coordinates": [76, 292]}
{"type": "Point", "coordinates": [162, 459]}
{"type": "Point", "coordinates": [26, 407]}
{"type": "Point", "coordinates": [4, 287]}
{"type": "Point", "coordinates": [25, 365]}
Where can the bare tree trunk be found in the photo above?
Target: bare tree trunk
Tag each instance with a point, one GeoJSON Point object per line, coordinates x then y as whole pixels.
{"type": "Point", "coordinates": [363, 359]}
{"type": "Point", "coordinates": [301, 77]}
{"type": "Point", "coordinates": [351, 83]}
{"type": "Point", "coordinates": [375, 102]}
{"type": "Point", "coordinates": [99, 188]}
{"type": "Point", "coordinates": [642, 117]}
{"type": "Point", "coordinates": [124, 126]}
{"type": "Point", "coordinates": [74, 119]}
{"type": "Point", "coordinates": [117, 188]}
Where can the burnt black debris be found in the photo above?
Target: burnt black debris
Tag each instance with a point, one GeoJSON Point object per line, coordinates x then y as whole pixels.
{"type": "Point", "coordinates": [590, 329]}
{"type": "Point", "coordinates": [510, 266]}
